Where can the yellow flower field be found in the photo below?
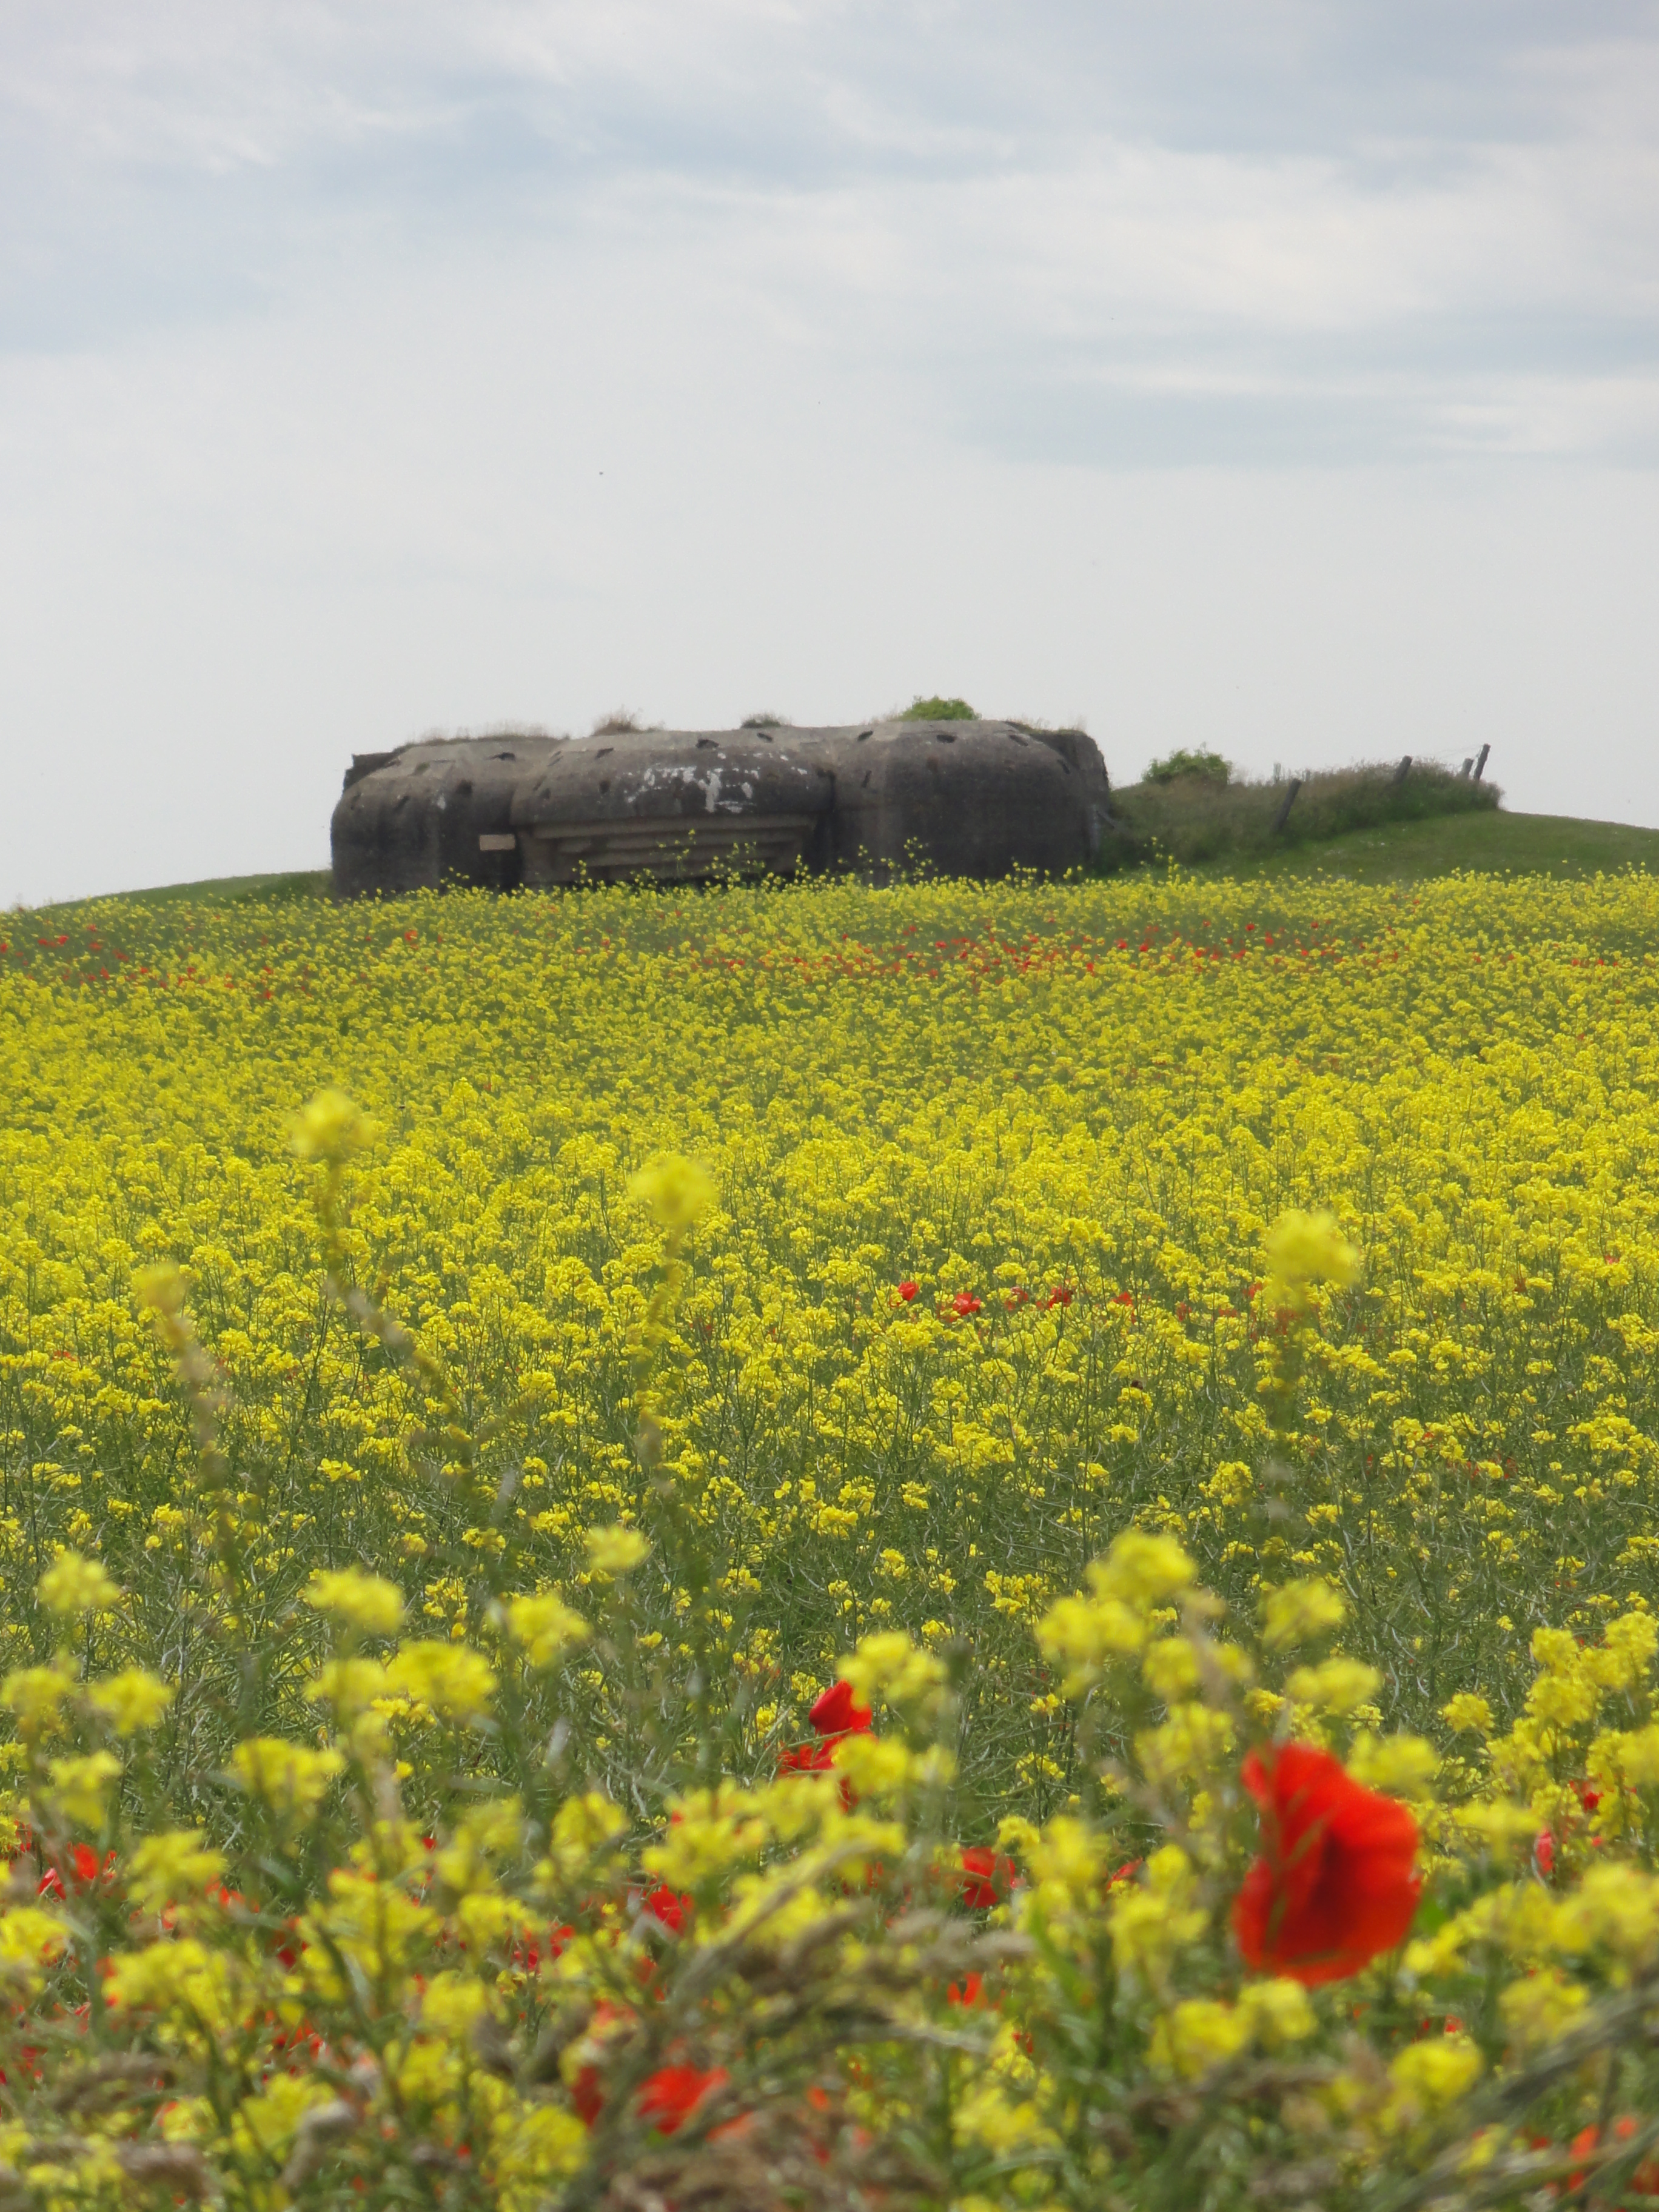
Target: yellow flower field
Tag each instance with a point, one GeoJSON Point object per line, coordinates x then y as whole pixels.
{"type": "Point", "coordinates": [599, 1316]}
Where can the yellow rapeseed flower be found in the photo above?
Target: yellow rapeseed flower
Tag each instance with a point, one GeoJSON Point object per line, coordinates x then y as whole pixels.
{"type": "Point", "coordinates": [1336, 1685]}
{"type": "Point", "coordinates": [457, 1682]}
{"type": "Point", "coordinates": [1615, 1911]}
{"type": "Point", "coordinates": [979, 1295]}
{"type": "Point", "coordinates": [888, 1665]}
{"type": "Point", "coordinates": [1198, 2035]}
{"type": "Point", "coordinates": [1143, 1569]}
{"type": "Point", "coordinates": [1467, 1710]}
{"type": "Point", "coordinates": [130, 1701]}
{"type": "Point", "coordinates": [1298, 1612]}
{"type": "Point", "coordinates": [678, 1191]}
{"type": "Point", "coordinates": [1399, 1766]}
{"type": "Point", "coordinates": [585, 1827]}
{"type": "Point", "coordinates": [1541, 2006]}
{"type": "Point", "coordinates": [1279, 2011]}
{"type": "Point", "coordinates": [1153, 1920]}
{"type": "Point", "coordinates": [169, 1867]}
{"type": "Point", "coordinates": [1170, 1667]}
{"type": "Point", "coordinates": [30, 1941]}
{"type": "Point", "coordinates": [368, 1602]}
{"type": "Point", "coordinates": [1430, 2076]}
{"type": "Point", "coordinates": [75, 1586]}
{"type": "Point", "coordinates": [81, 1786]}
{"type": "Point", "coordinates": [1084, 1636]}
{"type": "Point", "coordinates": [545, 1627]}
{"type": "Point", "coordinates": [332, 1126]}
{"type": "Point", "coordinates": [38, 1695]}
{"type": "Point", "coordinates": [614, 1551]}
{"type": "Point", "coordinates": [1301, 1250]}
{"type": "Point", "coordinates": [289, 1777]}
{"type": "Point", "coordinates": [349, 1686]}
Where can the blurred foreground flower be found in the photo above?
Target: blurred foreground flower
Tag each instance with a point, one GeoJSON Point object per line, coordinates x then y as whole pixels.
{"type": "Point", "coordinates": [1303, 1250]}
{"type": "Point", "coordinates": [614, 1551]}
{"type": "Point", "coordinates": [368, 1602]}
{"type": "Point", "coordinates": [1334, 1884]}
{"type": "Point", "coordinates": [678, 1191]}
{"type": "Point", "coordinates": [836, 1714]}
{"type": "Point", "coordinates": [986, 1877]}
{"type": "Point", "coordinates": [331, 1128]}
{"type": "Point", "coordinates": [73, 1585]}
{"type": "Point", "coordinates": [668, 2099]}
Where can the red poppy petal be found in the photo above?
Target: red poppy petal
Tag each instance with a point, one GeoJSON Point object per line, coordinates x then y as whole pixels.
{"type": "Point", "coordinates": [837, 1712]}
{"type": "Point", "coordinates": [669, 2097]}
{"type": "Point", "coordinates": [806, 1759]}
{"type": "Point", "coordinates": [1334, 1884]}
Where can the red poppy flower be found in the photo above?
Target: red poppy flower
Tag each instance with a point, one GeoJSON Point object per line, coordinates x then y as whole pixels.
{"type": "Point", "coordinates": [587, 2095]}
{"type": "Point", "coordinates": [1334, 1884]}
{"type": "Point", "coordinates": [528, 1956]}
{"type": "Point", "coordinates": [969, 1990]}
{"type": "Point", "coordinates": [1061, 1295]}
{"type": "Point", "coordinates": [836, 1714]}
{"type": "Point", "coordinates": [84, 1870]}
{"type": "Point", "coordinates": [964, 1304]}
{"type": "Point", "coordinates": [908, 1290]}
{"type": "Point", "coordinates": [986, 1877]}
{"type": "Point", "coordinates": [836, 1711]}
{"type": "Point", "coordinates": [669, 1907]}
{"type": "Point", "coordinates": [668, 2098]}
{"type": "Point", "coordinates": [807, 1758]}
{"type": "Point", "coordinates": [1644, 2182]}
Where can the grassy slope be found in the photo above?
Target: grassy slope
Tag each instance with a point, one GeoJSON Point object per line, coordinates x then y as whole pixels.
{"type": "Point", "coordinates": [295, 883]}
{"type": "Point", "coordinates": [1526, 844]}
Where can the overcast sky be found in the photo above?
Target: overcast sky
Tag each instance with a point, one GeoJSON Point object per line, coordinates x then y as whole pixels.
{"type": "Point", "coordinates": [1278, 375]}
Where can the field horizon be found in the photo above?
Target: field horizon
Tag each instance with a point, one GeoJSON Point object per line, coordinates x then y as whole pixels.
{"type": "Point", "coordinates": [1489, 842]}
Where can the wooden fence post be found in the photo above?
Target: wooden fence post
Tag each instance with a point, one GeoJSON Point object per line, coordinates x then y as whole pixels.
{"type": "Point", "coordinates": [1479, 765]}
{"type": "Point", "coordinates": [1400, 772]}
{"type": "Point", "coordinates": [1286, 805]}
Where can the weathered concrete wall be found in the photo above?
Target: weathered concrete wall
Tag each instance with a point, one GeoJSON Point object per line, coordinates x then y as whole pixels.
{"type": "Point", "coordinates": [683, 804]}
{"type": "Point", "coordinates": [969, 799]}
{"type": "Point", "coordinates": [966, 797]}
{"type": "Point", "coordinates": [433, 812]}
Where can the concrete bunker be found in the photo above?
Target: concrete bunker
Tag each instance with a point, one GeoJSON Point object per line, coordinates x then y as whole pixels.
{"type": "Point", "coordinates": [964, 798]}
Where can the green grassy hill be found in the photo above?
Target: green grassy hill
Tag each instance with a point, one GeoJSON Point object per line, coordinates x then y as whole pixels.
{"type": "Point", "coordinates": [1489, 842]}
{"type": "Point", "coordinates": [297, 884]}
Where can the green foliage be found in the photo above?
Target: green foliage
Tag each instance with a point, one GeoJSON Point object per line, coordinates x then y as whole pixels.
{"type": "Point", "coordinates": [1193, 818]}
{"type": "Point", "coordinates": [1208, 767]}
{"type": "Point", "coordinates": [938, 710]}
{"type": "Point", "coordinates": [1491, 842]}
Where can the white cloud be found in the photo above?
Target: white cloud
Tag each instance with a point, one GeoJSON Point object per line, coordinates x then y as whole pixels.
{"type": "Point", "coordinates": [1201, 169]}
